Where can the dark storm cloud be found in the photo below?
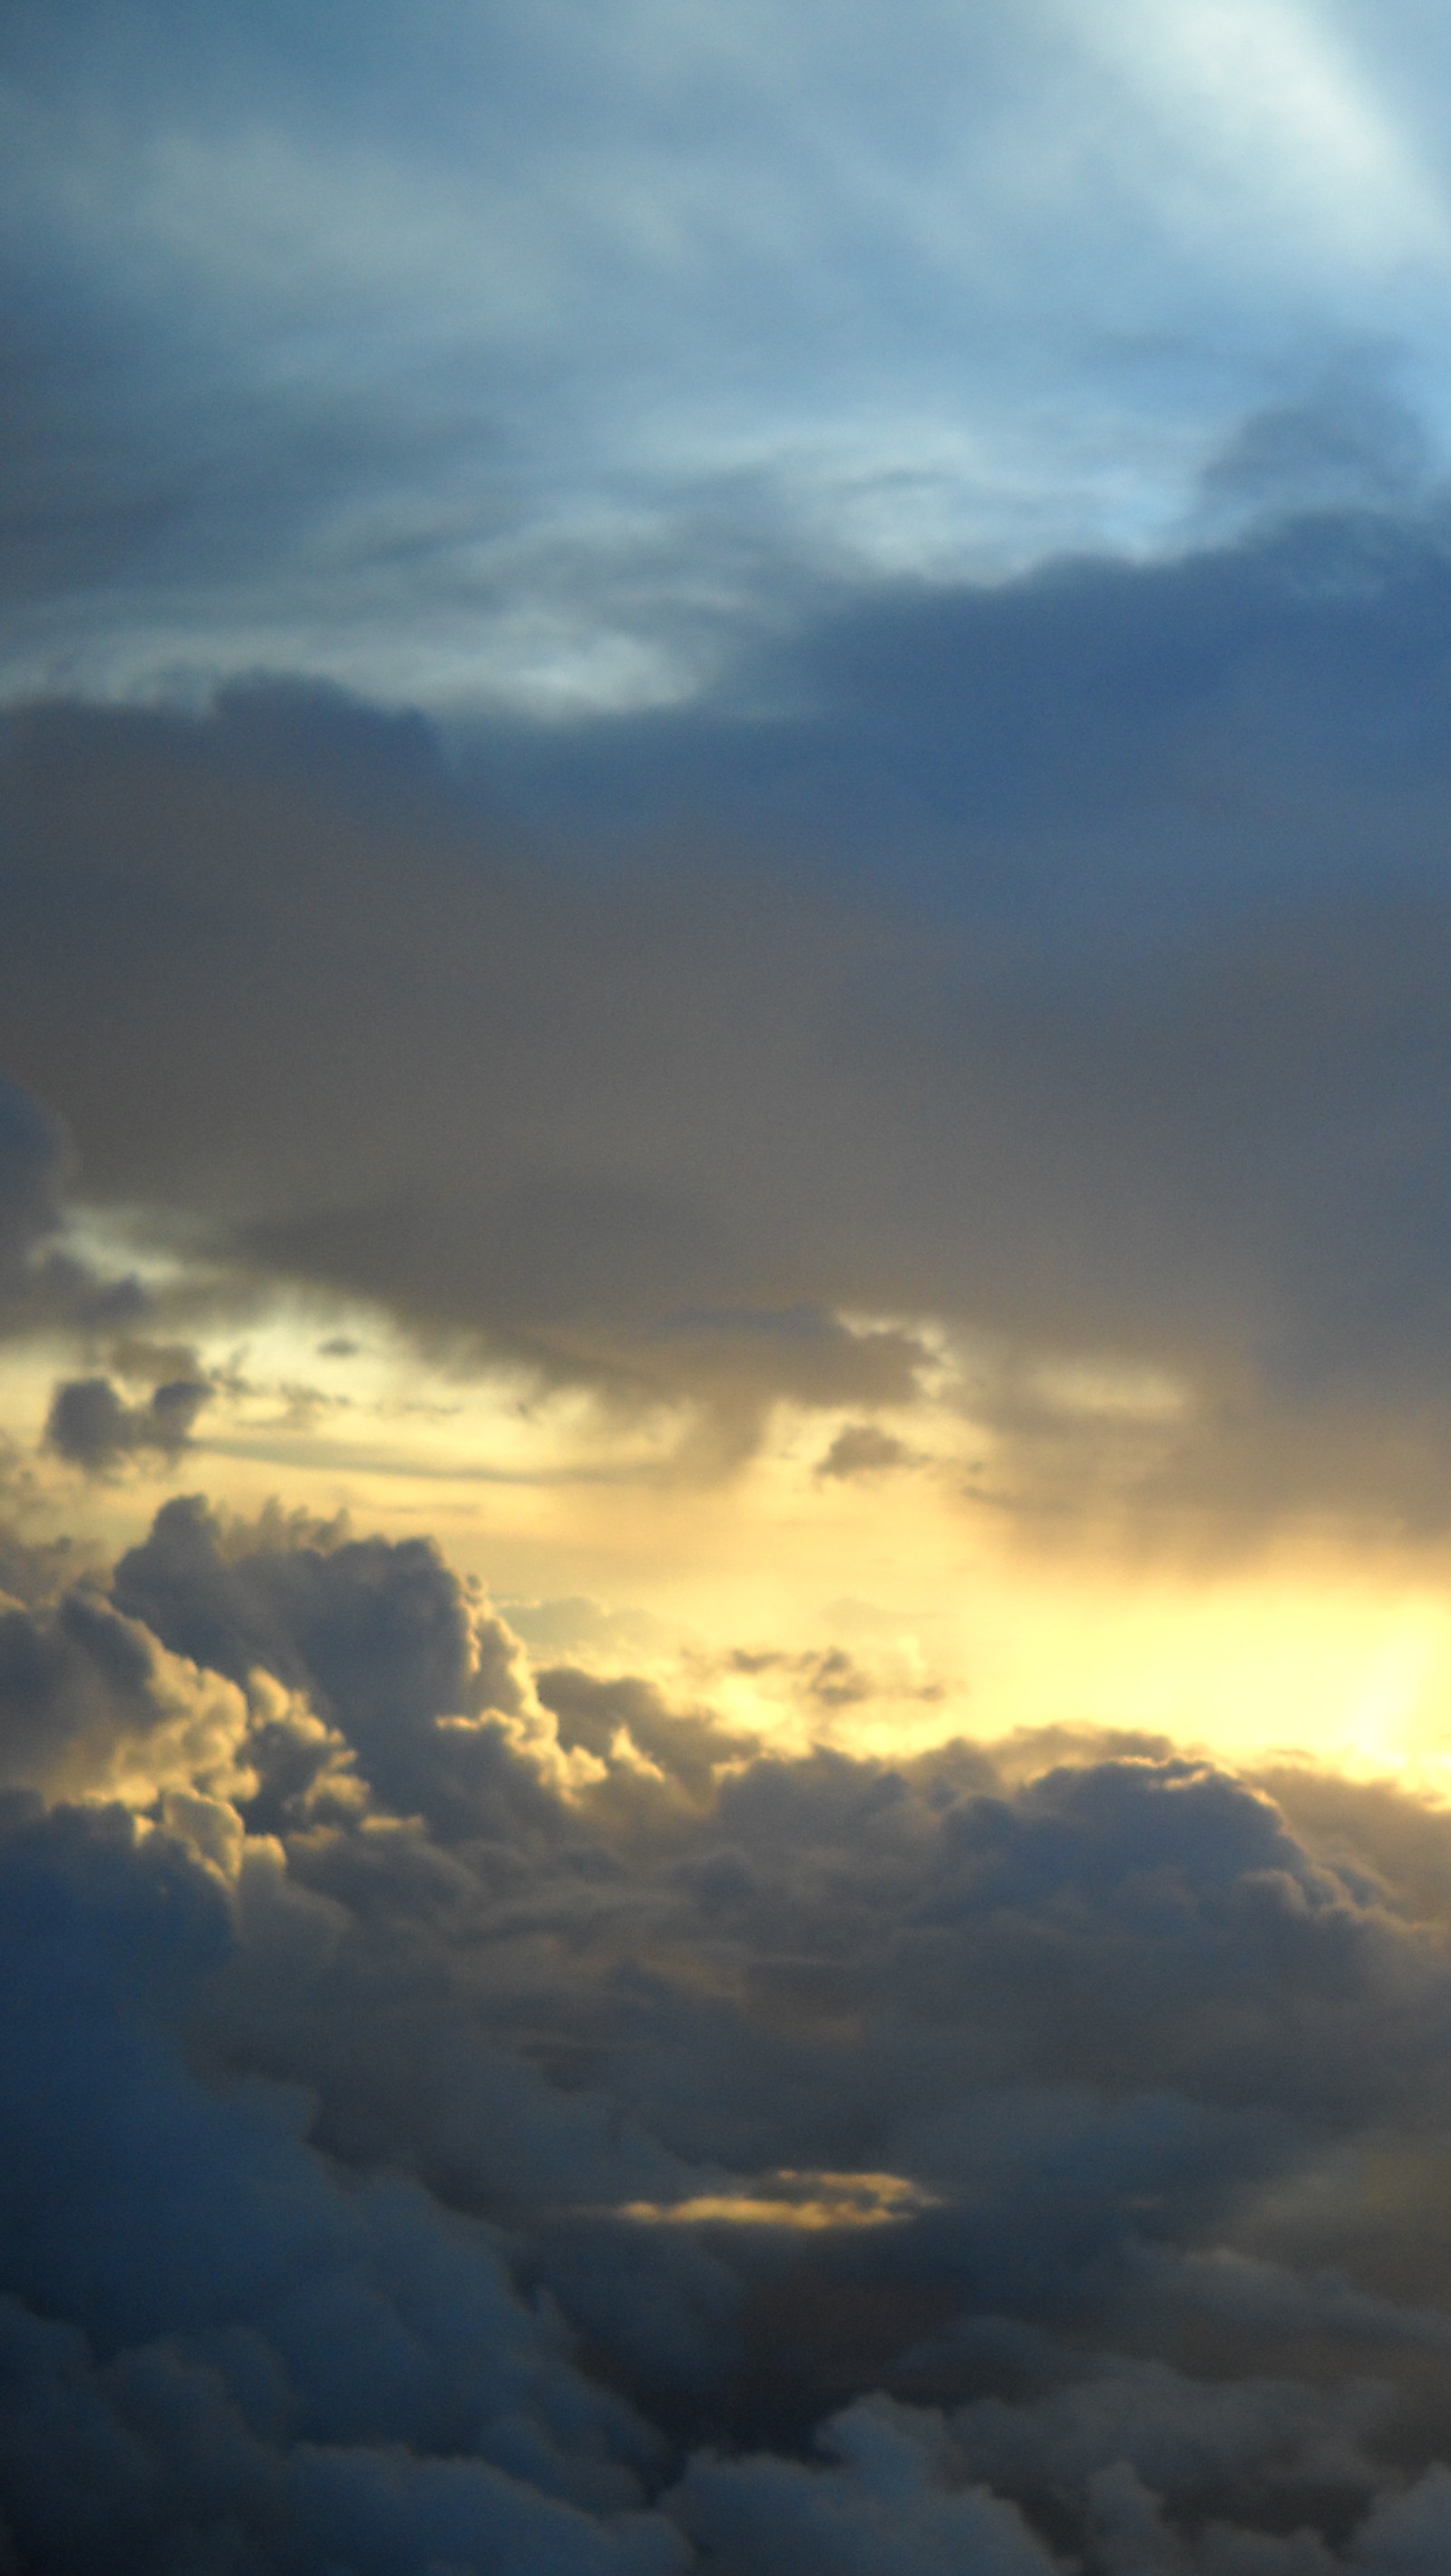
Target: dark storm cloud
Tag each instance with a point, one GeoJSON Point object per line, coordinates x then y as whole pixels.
{"type": "Point", "coordinates": [1141, 1056]}
{"type": "Point", "coordinates": [1099, 752]}
{"type": "Point", "coordinates": [91, 1424]}
{"type": "Point", "coordinates": [368, 2183]}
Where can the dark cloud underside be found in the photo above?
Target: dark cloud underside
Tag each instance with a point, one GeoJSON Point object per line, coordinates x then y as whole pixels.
{"type": "Point", "coordinates": [1125, 1038]}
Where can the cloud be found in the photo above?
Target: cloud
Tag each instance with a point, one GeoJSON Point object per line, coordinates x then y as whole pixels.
{"type": "Point", "coordinates": [437, 1692]}
{"type": "Point", "coordinates": [94, 1706]}
{"type": "Point", "coordinates": [43, 1285]}
{"type": "Point", "coordinates": [576, 1624]}
{"type": "Point", "coordinates": [1270, 106]}
{"type": "Point", "coordinates": [426, 2141]}
{"type": "Point", "coordinates": [1155, 1144]}
{"type": "Point", "coordinates": [687, 1747]}
{"type": "Point", "coordinates": [1348, 445]}
{"type": "Point", "coordinates": [881, 2513]}
{"type": "Point", "coordinates": [246, 2289]}
{"type": "Point", "coordinates": [864, 1449]}
{"type": "Point", "coordinates": [971, 293]}
{"type": "Point", "coordinates": [31, 1157]}
{"type": "Point", "coordinates": [885, 867]}
{"type": "Point", "coordinates": [793, 2200]}
{"type": "Point", "coordinates": [91, 1425]}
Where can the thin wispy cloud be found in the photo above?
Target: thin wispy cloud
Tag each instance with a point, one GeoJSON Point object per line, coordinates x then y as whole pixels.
{"type": "Point", "coordinates": [528, 370]}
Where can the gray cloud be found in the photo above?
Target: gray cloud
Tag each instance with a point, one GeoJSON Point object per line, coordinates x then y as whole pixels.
{"type": "Point", "coordinates": [1347, 444]}
{"type": "Point", "coordinates": [462, 2110]}
{"type": "Point", "coordinates": [31, 1160]}
{"type": "Point", "coordinates": [43, 1286]}
{"type": "Point", "coordinates": [673, 1129]}
{"type": "Point", "coordinates": [91, 1424]}
{"type": "Point", "coordinates": [384, 2025]}
{"type": "Point", "coordinates": [864, 1449]}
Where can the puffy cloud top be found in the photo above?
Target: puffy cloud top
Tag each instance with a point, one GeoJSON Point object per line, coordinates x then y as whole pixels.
{"type": "Point", "coordinates": [1054, 2169]}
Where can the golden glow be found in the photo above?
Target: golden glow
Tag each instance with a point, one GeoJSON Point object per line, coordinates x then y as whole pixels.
{"type": "Point", "coordinates": [885, 1611]}
{"type": "Point", "coordinates": [810, 2201]}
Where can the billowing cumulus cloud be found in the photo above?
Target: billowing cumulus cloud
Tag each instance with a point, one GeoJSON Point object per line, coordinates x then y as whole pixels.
{"type": "Point", "coordinates": [428, 2146]}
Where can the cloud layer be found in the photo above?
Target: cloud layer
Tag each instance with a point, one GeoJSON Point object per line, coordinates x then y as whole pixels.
{"type": "Point", "coordinates": [538, 357]}
{"type": "Point", "coordinates": [1070, 978]}
{"type": "Point", "coordinates": [438, 2133]}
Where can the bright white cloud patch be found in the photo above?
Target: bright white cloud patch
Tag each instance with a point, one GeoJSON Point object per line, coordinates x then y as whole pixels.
{"type": "Point", "coordinates": [1281, 147]}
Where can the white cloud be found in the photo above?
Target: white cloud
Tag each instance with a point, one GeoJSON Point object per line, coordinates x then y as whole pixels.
{"type": "Point", "coordinates": [1281, 147]}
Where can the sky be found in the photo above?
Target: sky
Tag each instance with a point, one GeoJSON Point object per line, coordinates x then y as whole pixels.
{"type": "Point", "coordinates": [725, 1288]}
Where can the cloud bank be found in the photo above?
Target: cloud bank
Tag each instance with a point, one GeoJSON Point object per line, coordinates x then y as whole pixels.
{"type": "Point", "coordinates": [442, 2134]}
{"type": "Point", "coordinates": [1065, 974]}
